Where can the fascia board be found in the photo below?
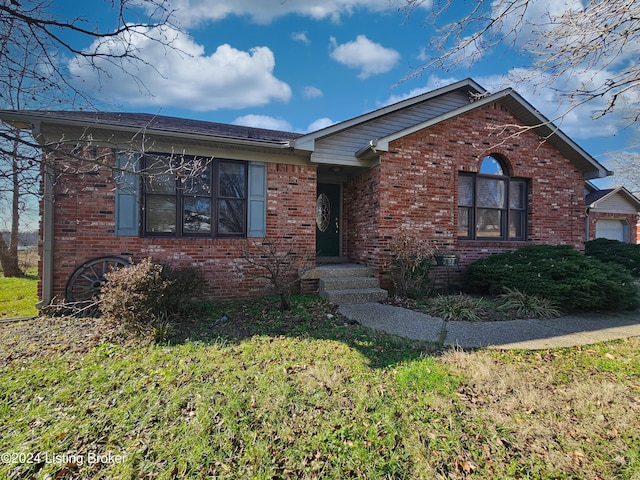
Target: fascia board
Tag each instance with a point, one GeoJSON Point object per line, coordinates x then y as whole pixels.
{"type": "Point", "coordinates": [556, 137]}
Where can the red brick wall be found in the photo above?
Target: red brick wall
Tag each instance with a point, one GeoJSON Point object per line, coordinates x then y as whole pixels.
{"type": "Point", "coordinates": [419, 185]}
{"type": "Point", "coordinates": [362, 217]}
{"type": "Point", "coordinates": [84, 229]}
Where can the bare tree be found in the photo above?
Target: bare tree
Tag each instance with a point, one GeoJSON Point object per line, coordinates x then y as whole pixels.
{"type": "Point", "coordinates": [34, 43]}
{"type": "Point", "coordinates": [587, 51]}
{"type": "Point", "coordinates": [18, 180]}
{"type": "Point", "coordinates": [29, 29]}
{"type": "Point", "coordinates": [279, 262]}
{"type": "Point", "coordinates": [627, 170]}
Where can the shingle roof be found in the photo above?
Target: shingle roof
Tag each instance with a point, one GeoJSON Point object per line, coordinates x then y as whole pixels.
{"type": "Point", "coordinates": [159, 123]}
{"type": "Point", "coordinates": [593, 197]}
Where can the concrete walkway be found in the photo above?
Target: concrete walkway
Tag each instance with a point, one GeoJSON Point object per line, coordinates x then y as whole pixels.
{"type": "Point", "coordinates": [512, 334]}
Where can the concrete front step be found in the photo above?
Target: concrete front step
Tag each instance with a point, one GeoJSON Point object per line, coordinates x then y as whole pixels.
{"type": "Point", "coordinates": [340, 271]}
{"type": "Point", "coordinates": [355, 295]}
{"type": "Point", "coordinates": [348, 283]}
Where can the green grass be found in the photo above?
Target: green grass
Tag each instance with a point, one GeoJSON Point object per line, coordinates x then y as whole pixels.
{"type": "Point", "coordinates": [265, 394]}
{"type": "Point", "coordinates": [18, 296]}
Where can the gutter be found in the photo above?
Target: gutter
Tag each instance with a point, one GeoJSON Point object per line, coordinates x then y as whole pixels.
{"type": "Point", "coordinates": [368, 148]}
{"type": "Point", "coordinates": [48, 213]}
{"type": "Point", "coordinates": [587, 232]}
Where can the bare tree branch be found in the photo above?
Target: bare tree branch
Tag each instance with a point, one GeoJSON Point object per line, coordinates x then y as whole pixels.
{"type": "Point", "coordinates": [588, 54]}
{"type": "Point", "coordinates": [34, 75]}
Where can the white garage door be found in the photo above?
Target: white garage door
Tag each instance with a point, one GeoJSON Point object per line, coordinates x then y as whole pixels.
{"type": "Point", "coordinates": [612, 229]}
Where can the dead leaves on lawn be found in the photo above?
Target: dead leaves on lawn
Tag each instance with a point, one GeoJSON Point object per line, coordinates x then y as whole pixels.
{"type": "Point", "coordinates": [45, 336]}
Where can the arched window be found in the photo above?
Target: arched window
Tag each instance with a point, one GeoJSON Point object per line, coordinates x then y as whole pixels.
{"type": "Point", "coordinates": [491, 204]}
{"type": "Point", "coordinates": [491, 166]}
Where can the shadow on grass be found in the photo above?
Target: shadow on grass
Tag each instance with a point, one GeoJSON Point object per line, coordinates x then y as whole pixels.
{"type": "Point", "coordinates": [309, 318]}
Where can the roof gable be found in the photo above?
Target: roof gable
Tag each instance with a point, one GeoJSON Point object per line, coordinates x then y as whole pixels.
{"type": "Point", "coordinates": [467, 88]}
{"type": "Point", "coordinates": [519, 107]}
{"type": "Point", "coordinates": [613, 197]}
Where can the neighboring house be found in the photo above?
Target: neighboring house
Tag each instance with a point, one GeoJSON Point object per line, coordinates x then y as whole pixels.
{"type": "Point", "coordinates": [611, 213]}
{"type": "Point", "coordinates": [466, 170]}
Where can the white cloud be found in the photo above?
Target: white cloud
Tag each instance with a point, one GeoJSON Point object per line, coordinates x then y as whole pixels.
{"type": "Point", "coordinates": [273, 123]}
{"type": "Point", "coordinates": [263, 121]}
{"type": "Point", "coordinates": [433, 83]}
{"type": "Point", "coordinates": [193, 12]}
{"type": "Point", "coordinates": [300, 37]}
{"type": "Point", "coordinates": [182, 75]}
{"type": "Point", "coordinates": [311, 92]}
{"type": "Point", "coordinates": [369, 57]}
{"type": "Point", "coordinates": [320, 124]}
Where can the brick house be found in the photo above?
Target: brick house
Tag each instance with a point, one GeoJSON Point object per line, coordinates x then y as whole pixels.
{"type": "Point", "coordinates": [473, 172]}
{"type": "Point", "coordinates": [611, 213]}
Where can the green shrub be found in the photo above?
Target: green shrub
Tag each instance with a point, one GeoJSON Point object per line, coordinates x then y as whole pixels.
{"type": "Point", "coordinates": [625, 254]}
{"type": "Point", "coordinates": [147, 297]}
{"type": "Point", "coordinates": [561, 274]}
{"type": "Point", "coordinates": [411, 264]}
{"type": "Point", "coordinates": [523, 305]}
{"type": "Point", "coordinates": [458, 307]}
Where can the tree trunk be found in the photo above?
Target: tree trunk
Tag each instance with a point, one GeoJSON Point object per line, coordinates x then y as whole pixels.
{"type": "Point", "coordinates": [9, 259]}
{"type": "Point", "coordinates": [285, 301]}
{"type": "Point", "coordinates": [9, 253]}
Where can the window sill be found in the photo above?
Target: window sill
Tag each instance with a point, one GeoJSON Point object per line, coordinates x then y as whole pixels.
{"type": "Point", "coordinates": [492, 243]}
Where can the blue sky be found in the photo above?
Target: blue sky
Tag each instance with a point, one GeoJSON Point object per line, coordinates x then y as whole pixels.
{"type": "Point", "coordinates": [300, 65]}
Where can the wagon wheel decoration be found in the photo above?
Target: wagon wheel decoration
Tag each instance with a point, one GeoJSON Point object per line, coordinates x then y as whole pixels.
{"type": "Point", "coordinates": [323, 212]}
{"type": "Point", "coordinates": [86, 281]}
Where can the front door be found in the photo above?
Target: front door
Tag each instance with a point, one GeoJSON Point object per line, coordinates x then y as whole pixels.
{"type": "Point", "coordinates": [328, 220]}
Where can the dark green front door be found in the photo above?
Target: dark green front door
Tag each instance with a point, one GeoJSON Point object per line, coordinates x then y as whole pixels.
{"type": "Point", "coordinates": [328, 220]}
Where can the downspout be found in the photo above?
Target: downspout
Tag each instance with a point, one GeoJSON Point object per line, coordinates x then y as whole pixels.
{"type": "Point", "coordinates": [586, 238]}
{"type": "Point", "coordinates": [47, 227]}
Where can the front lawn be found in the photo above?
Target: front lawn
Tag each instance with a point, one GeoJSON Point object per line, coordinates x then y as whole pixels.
{"type": "Point", "coordinates": [18, 296]}
{"type": "Point", "coordinates": [250, 392]}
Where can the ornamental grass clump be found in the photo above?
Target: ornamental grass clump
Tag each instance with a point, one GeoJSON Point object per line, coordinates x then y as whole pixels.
{"type": "Point", "coordinates": [459, 307]}
{"type": "Point", "coordinates": [522, 305]}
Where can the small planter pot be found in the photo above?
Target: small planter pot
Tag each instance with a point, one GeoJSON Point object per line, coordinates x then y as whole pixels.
{"type": "Point", "coordinates": [447, 260]}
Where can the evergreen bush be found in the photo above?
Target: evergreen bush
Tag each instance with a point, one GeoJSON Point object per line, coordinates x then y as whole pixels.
{"type": "Point", "coordinates": [625, 254]}
{"type": "Point", "coordinates": [565, 276]}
